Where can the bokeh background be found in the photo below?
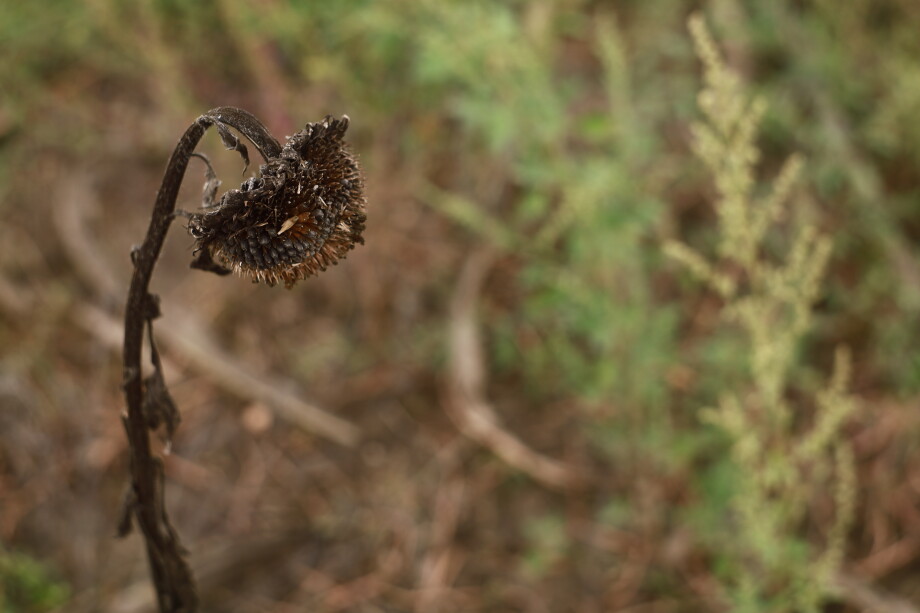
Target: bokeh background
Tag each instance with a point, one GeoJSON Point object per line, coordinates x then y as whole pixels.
{"type": "Point", "coordinates": [495, 404]}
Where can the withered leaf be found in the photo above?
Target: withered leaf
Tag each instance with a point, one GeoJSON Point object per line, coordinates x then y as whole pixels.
{"type": "Point", "coordinates": [211, 182]}
{"type": "Point", "coordinates": [126, 513]}
{"type": "Point", "coordinates": [204, 261]}
{"type": "Point", "coordinates": [158, 407]}
{"type": "Point", "coordinates": [152, 307]}
{"type": "Point", "coordinates": [232, 143]}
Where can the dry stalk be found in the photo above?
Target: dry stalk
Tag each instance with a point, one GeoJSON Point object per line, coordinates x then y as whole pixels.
{"type": "Point", "coordinates": [302, 213]}
{"type": "Point", "coordinates": [465, 398]}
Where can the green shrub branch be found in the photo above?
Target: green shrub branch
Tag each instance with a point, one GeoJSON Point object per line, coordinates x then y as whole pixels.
{"type": "Point", "coordinates": [770, 298]}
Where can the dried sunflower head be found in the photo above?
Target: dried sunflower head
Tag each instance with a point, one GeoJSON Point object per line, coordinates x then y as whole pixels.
{"type": "Point", "coordinates": [304, 212]}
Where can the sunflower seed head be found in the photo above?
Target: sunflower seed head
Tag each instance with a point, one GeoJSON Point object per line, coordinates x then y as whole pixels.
{"type": "Point", "coordinates": [303, 213]}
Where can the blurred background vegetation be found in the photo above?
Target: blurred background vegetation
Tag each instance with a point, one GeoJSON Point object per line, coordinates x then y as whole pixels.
{"type": "Point", "coordinates": [519, 373]}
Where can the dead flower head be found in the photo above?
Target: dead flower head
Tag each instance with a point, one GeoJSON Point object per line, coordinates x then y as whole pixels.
{"type": "Point", "coordinates": [304, 212]}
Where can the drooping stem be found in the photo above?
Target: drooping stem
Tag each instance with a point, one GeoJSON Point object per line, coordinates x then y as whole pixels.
{"type": "Point", "coordinates": [173, 581]}
{"type": "Point", "coordinates": [249, 126]}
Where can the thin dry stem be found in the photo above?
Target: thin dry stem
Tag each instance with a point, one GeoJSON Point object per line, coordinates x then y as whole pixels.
{"type": "Point", "coordinates": [172, 577]}
{"type": "Point", "coordinates": [465, 399]}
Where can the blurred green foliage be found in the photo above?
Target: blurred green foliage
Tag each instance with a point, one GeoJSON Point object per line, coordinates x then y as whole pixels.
{"type": "Point", "coordinates": [26, 585]}
{"type": "Point", "coordinates": [780, 469]}
{"type": "Point", "coordinates": [557, 133]}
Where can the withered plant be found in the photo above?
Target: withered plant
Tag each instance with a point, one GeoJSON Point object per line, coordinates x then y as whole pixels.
{"type": "Point", "coordinates": [303, 212]}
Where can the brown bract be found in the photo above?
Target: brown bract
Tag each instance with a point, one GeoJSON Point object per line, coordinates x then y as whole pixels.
{"type": "Point", "coordinates": [304, 212]}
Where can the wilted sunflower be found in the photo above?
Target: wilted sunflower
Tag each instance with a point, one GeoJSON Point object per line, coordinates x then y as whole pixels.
{"type": "Point", "coordinates": [304, 212]}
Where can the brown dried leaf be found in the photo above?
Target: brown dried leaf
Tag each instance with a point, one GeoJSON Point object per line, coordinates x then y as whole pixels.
{"type": "Point", "coordinates": [232, 143]}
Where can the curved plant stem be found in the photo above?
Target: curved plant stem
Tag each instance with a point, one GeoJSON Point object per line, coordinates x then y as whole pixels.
{"type": "Point", "coordinates": [249, 126]}
{"type": "Point", "coordinates": [172, 577]}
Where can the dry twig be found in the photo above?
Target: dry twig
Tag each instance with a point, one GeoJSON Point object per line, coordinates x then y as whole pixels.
{"type": "Point", "coordinates": [465, 399]}
{"type": "Point", "coordinates": [864, 597]}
